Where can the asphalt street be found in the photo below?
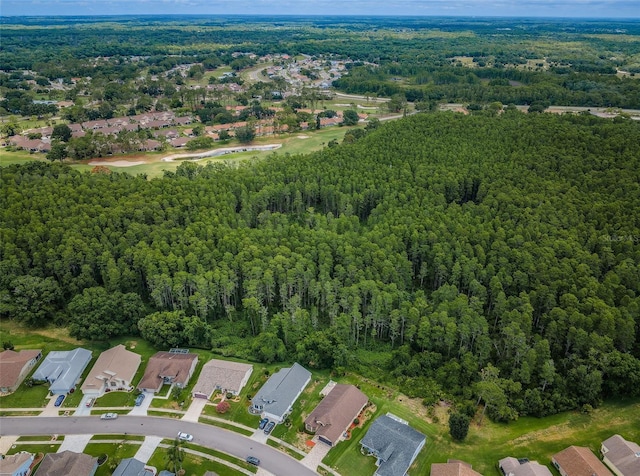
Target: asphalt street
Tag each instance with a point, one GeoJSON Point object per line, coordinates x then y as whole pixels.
{"type": "Point", "coordinates": [213, 437]}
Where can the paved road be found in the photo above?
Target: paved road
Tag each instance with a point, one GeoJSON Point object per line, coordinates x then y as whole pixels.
{"type": "Point", "coordinates": [208, 436]}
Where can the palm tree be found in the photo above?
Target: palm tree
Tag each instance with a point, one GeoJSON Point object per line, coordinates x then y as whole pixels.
{"type": "Point", "coordinates": [175, 456]}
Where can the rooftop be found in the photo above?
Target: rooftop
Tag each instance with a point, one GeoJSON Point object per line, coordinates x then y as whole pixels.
{"type": "Point", "coordinates": [395, 444]}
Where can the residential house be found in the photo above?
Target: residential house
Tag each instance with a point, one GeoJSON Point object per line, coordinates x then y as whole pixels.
{"type": "Point", "coordinates": [67, 463]}
{"type": "Point", "coordinates": [278, 394]}
{"type": "Point", "coordinates": [394, 443]}
{"type": "Point", "coordinates": [579, 461]}
{"type": "Point", "coordinates": [333, 416]}
{"type": "Point", "coordinates": [222, 375]}
{"type": "Point", "coordinates": [621, 456]}
{"type": "Point", "coordinates": [522, 467]}
{"type": "Point", "coordinates": [62, 369]}
{"type": "Point", "coordinates": [16, 465]}
{"type": "Point", "coordinates": [132, 467]}
{"type": "Point", "coordinates": [179, 142]}
{"type": "Point", "coordinates": [453, 468]}
{"type": "Point", "coordinates": [172, 368]}
{"type": "Point", "coordinates": [14, 367]}
{"type": "Point", "coordinates": [114, 370]}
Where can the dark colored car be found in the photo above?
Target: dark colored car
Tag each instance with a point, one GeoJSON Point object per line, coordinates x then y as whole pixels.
{"type": "Point", "coordinates": [263, 423]}
{"type": "Point", "coordinates": [269, 427]}
{"type": "Point", "coordinates": [252, 460]}
{"type": "Point", "coordinates": [139, 399]}
{"type": "Point", "coordinates": [59, 401]}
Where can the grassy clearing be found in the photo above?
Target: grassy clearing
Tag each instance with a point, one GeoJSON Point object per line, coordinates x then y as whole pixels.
{"type": "Point", "coordinates": [226, 426]}
{"type": "Point", "coordinates": [26, 397]}
{"type": "Point", "coordinates": [118, 437]}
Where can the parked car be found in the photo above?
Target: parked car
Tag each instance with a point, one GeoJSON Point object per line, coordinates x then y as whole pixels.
{"type": "Point", "coordinates": [108, 416]}
{"type": "Point", "coordinates": [59, 400]}
{"type": "Point", "coordinates": [252, 460]}
{"type": "Point", "coordinates": [184, 436]}
{"type": "Point", "coordinates": [139, 399]}
{"type": "Point", "coordinates": [269, 427]}
{"type": "Point", "coordinates": [90, 402]}
{"type": "Point", "coordinates": [263, 423]}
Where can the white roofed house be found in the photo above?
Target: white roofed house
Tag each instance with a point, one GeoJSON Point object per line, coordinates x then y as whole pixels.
{"type": "Point", "coordinates": [279, 393]}
{"type": "Point", "coordinates": [114, 370]}
{"type": "Point", "coordinates": [63, 369]}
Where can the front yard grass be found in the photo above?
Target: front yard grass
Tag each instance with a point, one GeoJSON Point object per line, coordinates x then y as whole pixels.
{"type": "Point", "coordinates": [116, 452]}
{"type": "Point", "coordinates": [26, 397]}
{"type": "Point", "coordinates": [193, 465]}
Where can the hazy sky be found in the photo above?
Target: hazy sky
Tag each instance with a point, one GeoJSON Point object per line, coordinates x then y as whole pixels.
{"type": "Point", "coordinates": [525, 8]}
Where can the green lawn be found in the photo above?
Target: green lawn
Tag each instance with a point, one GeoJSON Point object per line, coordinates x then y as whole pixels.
{"type": "Point", "coordinates": [34, 448]}
{"type": "Point", "coordinates": [116, 452]}
{"type": "Point", "coordinates": [192, 464]}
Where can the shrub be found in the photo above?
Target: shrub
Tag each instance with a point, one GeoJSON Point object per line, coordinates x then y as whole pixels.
{"type": "Point", "coordinates": [223, 407]}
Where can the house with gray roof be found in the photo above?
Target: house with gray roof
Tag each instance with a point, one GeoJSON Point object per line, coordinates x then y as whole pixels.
{"type": "Point", "coordinates": [67, 463]}
{"type": "Point", "coordinates": [132, 467]}
{"type": "Point", "coordinates": [522, 467]}
{"type": "Point", "coordinates": [621, 456]}
{"type": "Point", "coordinates": [394, 443]}
{"type": "Point", "coordinates": [278, 394]}
{"type": "Point", "coordinates": [16, 465]}
{"type": "Point", "coordinates": [63, 369]}
{"type": "Point", "coordinates": [222, 375]}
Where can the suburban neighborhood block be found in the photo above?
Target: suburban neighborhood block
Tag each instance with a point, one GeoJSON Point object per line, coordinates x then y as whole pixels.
{"type": "Point", "coordinates": [622, 456]}
{"type": "Point", "coordinates": [16, 465]}
{"type": "Point", "coordinates": [522, 467]}
{"type": "Point", "coordinates": [171, 368]}
{"type": "Point", "coordinates": [394, 443]}
{"type": "Point", "coordinates": [579, 461]}
{"type": "Point", "coordinates": [62, 369]}
{"type": "Point", "coordinates": [132, 467]}
{"type": "Point", "coordinates": [278, 394]}
{"type": "Point", "coordinates": [67, 462]}
{"type": "Point", "coordinates": [14, 367]}
{"type": "Point", "coordinates": [335, 413]}
{"type": "Point", "coordinates": [222, 375]}
{"type": "Point", "coordinates": [453, 468]}
{"type": "Point", "coordinates": [114, 370]}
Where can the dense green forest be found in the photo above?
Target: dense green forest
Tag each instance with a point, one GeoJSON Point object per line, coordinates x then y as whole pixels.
{"type": "Point", "coordinates": [490, 256]}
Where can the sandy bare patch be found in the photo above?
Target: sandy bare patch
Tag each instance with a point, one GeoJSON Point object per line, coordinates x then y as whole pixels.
{"type": "Point", "coordinates": [117, 163]}
{"type": "Point", "coordinates": [302, 137]}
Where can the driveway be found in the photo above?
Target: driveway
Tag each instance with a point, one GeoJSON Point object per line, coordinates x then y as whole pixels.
{"type": "Point", "coordinates": [316, 455]}
{"type": "Point", "coordinates": [195, 409]}
{"type": "Point", "coordinates": [208, 436]}
{"type": "Point", "coordinates": [144, 406]}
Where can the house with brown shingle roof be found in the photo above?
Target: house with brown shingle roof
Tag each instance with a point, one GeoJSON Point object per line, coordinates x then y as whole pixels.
{"type": "Point", "coordinates": [67, 463]}
{"type": "Point", "coordinates": [171, 368]}
{"type": "Point", "coordinates": [114, 370]}
{"type": "Point", "coordinates": [579, 461]}
{"type": "Point", "coordinates": [622, 456]}
{"type": "Point", "coordinates": [221, 375]}
{"type": "Point", "coordinates": [14, 367]}
{"type": "Point", "coordinates": [453, 468]}
{"type": "Point", "coordinates": [335, 413]}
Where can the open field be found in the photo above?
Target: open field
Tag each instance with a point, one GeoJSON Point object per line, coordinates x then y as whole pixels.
{"type": "Point", "coordinates": [152, 166]}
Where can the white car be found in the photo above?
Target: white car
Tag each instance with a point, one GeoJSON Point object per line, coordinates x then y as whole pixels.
{"type": "Point", "coordinates": [184, 436]}
{"type": "Point", "coordinates": [108, 416]}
